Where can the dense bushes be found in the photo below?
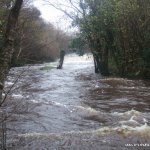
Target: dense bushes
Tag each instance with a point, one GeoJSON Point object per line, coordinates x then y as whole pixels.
{"type": "Point", "coordinates": [118, 33]}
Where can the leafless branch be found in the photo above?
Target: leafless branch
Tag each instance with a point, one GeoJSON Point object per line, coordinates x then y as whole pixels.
{"type": "Point", "coordinates": [64, 8]}
{"type": "Point", "coordinates": [10, 89]}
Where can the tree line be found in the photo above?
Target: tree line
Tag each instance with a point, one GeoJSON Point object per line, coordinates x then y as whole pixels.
{"type": "Point", "coordinates": [36, 40]}
{"type": "Point", "coordinates": [118, 34]}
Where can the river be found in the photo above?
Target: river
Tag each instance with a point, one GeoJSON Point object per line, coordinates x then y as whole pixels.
{"type": "Point", "coordinates": [75, 109]}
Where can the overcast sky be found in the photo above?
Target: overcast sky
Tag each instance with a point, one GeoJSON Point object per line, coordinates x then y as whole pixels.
{"type": "Point", "coordinates": [51, 14]}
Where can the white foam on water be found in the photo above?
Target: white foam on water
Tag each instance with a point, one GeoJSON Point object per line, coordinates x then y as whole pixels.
{"type": "Point", "coordinates": [140, 131]}
{"type": "Point", "coordinates": [88, 111]}
{"type": "Point", "coordinates": [97, 86]}
{"type": "Point", "coordinates": [133, 112]}
{"type": "Point", "coordinates": [117, 114]}
{"type": "Point", "coordinates": [131, 121]}
{"type": "Point", "coordinates": [17, 95]}
{"type": "Point", "coordinates": [8, 83]}
{"type": "Point", "coordinates": [58, 104]}
{"type": "Point", "coordinates": [34, 101]}
{"type": "Point", "coordinates": [143, 130]}
{"type": "Point", "coordinates": [130, 113]}
{"type": "Point", "coordinates": [145, 120]}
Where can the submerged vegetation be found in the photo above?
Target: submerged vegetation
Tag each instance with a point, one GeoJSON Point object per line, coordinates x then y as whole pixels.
{"type": "Point", "coordinates": [47, 68]}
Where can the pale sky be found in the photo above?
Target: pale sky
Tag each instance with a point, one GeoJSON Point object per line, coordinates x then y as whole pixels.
{"type": "Point", "coordinates": [56, 17]}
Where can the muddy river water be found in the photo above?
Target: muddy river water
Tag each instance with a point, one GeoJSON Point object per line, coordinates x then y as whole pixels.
{"type": "Point", "coordinates": [75, 109]}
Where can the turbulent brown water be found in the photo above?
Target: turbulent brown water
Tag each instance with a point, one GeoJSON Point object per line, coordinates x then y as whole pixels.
{"type": "Point", "coordinates": [74, 109]}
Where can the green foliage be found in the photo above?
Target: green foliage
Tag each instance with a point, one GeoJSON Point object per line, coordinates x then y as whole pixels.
{"type": "Point", "coordinates": [118, 29]}
{"type": "Point", "coordinates": [78, 45]}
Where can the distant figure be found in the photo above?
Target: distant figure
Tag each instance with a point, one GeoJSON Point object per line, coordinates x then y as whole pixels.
{"type": "Point", "coordinates": [62, 54]}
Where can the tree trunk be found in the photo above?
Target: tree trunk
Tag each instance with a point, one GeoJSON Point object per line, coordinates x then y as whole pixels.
{"type": "Point", "coordinates": [7, 49]}
{"type": "Point", "coordinates": [97, 63]}
{"type": "Point", "coordinates": [101, 63]}
{"type": "Point", "coordinates": [18, 49]}
{"type": "Point", "coordinates": [62, 55]}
